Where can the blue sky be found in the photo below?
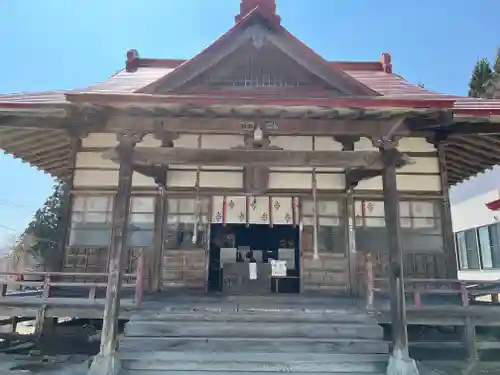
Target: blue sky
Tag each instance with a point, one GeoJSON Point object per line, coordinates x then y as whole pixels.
{"type": "Point", "coordinates": [65, 44]}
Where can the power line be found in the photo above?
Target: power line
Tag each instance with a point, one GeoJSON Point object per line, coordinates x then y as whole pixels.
{"type": "Point", "coordinates": [40, 239]}
{"type": "Point", "coordinates": [20, 203]}
{"type": "Point", "coordinates": [9, 228]}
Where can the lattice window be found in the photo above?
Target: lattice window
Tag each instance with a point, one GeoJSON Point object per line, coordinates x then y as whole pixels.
{"type": "Point", "coordinates": [91, 220]}
{"type": "Point", "coordinates": [420, 224]}
{"type": "Point", "coordinates": [264, 67]}
{"type": "Point", "coordinates": [330, 223]}
{"type": "Point", "coordinates": [413, 214]}
{"type": "Point", "coordinates": [141, 221]}
{"type": "Point", "coordinates": [184, 214]}
{"type": "Point", "coordinates": [92, 217]}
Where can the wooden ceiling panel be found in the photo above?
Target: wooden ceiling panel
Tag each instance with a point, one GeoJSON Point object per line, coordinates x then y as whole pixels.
{"type": "Point", "coordinates": [46, 149]}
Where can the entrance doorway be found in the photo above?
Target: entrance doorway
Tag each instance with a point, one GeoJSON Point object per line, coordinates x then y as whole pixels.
{"type": "Point", "coordinates": [234, 246]}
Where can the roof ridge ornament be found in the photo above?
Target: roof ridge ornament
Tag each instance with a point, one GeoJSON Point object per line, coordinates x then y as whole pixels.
{"type": "Point", "coordinates": [131, 62]}
{"type": "Point", "coordinates": [265, 7]}
{"type": "Point", "coordinates": [386, 61]}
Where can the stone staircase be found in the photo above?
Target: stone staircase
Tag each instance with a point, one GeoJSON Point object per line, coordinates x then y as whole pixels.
{"type": "Point", "coordinates": [253, 338]}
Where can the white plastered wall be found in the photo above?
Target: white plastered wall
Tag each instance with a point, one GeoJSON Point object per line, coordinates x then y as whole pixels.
{"type": "Point", "coordinates": [92, 170]}
{"type": "Point", "coordinates": [473, 213]}
{"type": "Point", "coordinates": [423, 175]}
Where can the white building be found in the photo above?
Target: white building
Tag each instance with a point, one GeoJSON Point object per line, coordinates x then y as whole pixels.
{"type": "Point", "coordinates": [475, 213]}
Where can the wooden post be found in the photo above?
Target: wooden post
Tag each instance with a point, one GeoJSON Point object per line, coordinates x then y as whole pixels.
{"type": "Point", "coordinates": [75, 143]}
{"type": "Point", "coordinates": [348, 144]}
{"type": "Point", "coordinates": [106, 362]}
{"type": "Point", "coordinates": [139, 281]}
{"type": "Point", "coordinates": [370, 293]}
{"type": "Point", "coordinates": [41, 323]}
{"type": "Point", "coordinates": [494, 298]}
{"type": "Point", "coordinates": [446, 224]}
{"type": "Point", "coordinates": [352, 256]}
{"type": "Point", "coordinates": [156, 261]}
{"type": "Point", "coordinates": [469, 326]}
{"type": "Point", "coordinates": [400, 362]}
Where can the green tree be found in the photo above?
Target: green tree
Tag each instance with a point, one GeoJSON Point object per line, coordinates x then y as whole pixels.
{"type": "Point", "coordinates": [480, 78]}
{"type": "Point", "coordinates": [47, 227]}
{"type": "Point", "coordinates": [496, 65]}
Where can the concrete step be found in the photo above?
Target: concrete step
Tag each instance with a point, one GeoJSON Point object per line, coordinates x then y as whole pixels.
{"type": "Point", "coordinates": [273, 345]}
{"type": "Point", "coordinates": [255, 362]}
{"type": "Point", "coordinates": [258, 316]}
{"type": "Point", "coordinates": [258, 329]}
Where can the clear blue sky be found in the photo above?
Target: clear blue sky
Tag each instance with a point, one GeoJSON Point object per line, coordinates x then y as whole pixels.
{"type": "Point", "coordinates": [65, 44]}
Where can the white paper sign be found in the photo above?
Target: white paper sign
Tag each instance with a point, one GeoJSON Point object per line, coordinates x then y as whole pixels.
{"type": "Point", "coordinates": [252, 271]}
{"type": "Point", "coordinates": [278, 268]}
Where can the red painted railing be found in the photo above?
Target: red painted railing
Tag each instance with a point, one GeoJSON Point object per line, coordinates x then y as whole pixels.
{"type": "Point", "coordinates": [45, 282]}
{"type": "Point", "coordinates": [421, 287]}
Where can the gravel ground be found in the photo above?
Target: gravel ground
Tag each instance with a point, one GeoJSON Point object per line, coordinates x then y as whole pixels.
{"type": "Point", "coordinates": [43, 365]}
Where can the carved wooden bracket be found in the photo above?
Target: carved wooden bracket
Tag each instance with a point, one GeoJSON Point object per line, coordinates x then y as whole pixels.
{"type": "Point", "coordinates": [385, 143]}
{"type": "Point", "coordinates": [347, 141]}
{"type": "Point", "coordinates": [83, 121]}
{"type": "Point", "coordinates": [129, 137]}
{"type": "Point", "coordinates": [437, 138]}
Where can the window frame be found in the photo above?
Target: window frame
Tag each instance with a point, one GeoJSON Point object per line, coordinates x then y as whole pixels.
{"type": "Point", "coordinates": [361, 221]}
{"type": "Point", "coordinates": [493, 248]}
{"type": "Point", "coordinates": [133, 229]}
{"type": "Point", "coordinates": [337, 225]}
{"type": "Point", "coordinates": [203, 221]}
{"type": "Point", "coordinates": [85, 226]}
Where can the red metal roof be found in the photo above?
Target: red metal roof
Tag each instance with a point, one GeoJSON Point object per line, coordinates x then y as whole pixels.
{"type": "Point", "coordinates": [374, 75]}
{"type": "Point", "coordinates": [391, 86]}
{"type": "Point", "coordinates": [494, 205]}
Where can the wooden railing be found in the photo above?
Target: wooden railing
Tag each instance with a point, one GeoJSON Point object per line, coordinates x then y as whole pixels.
{"type": "Point", "coordinates": [418, 288]}
{"type": "Point", "coordinates": [60, 288]}
{"type": "Point", "coordinates": [465, 291]}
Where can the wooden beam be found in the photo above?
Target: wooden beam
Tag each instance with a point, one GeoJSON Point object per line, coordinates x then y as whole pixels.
{"type": "Point", "coordinates": [455, 172]}
{"type": "Point", "coordinates": [266, 157]}
{"type": "Point", "coordinates": [280, 126]}
{"type": "Point", "coordinates": [470, 166]}
{"type": "Point", "coordinates": [38, 143]}
{"type": "Point", "coordinates": [48, 158]}
{"type": "Point", "coordinates": [61, 159]}
{"type": "Point", "coordinates": [6, 134]}
{"type": "Point", "coordinates": [28, 122]}
{"type": "Point", "coordinates": [478, 151]}
{"type": "Point", "coordinates": [21, 137]}
{"type": "Point", "coordinates": [466, 127]}
{"type": "Point", "coordinates": [485, 142]}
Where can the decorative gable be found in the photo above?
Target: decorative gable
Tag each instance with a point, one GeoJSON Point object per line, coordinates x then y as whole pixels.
{"type": "Point", "coordinates": [260, 55]}
{"type": "Point", "coordinates": [257, 66]}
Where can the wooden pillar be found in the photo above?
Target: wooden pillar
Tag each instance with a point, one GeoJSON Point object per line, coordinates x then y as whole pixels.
{"type": "Point", "coordinates": [75, 143]}
{"type": "Point", "coordinates": [352, 256]}
{"type": "Point", "coordinates": [399, 362]}
{"type": "Point", "coordinates": [106, 361]}
{"type": "Point", "coordinates": [348, 144]}
{"type": "Point", "coordinates": [156, 260]}
{"type": "Point", "coordinates": [446, 222]}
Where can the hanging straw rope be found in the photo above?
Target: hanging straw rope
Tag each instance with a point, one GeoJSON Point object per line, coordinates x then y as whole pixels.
{"type": "Point", "coordinates": [315, 210]}
{"type": "Point", "coordinates": [197, 203]}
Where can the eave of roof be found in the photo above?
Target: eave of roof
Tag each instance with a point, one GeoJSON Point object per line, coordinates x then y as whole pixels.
{"type": "Point", "coordinates": [91, 97]}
